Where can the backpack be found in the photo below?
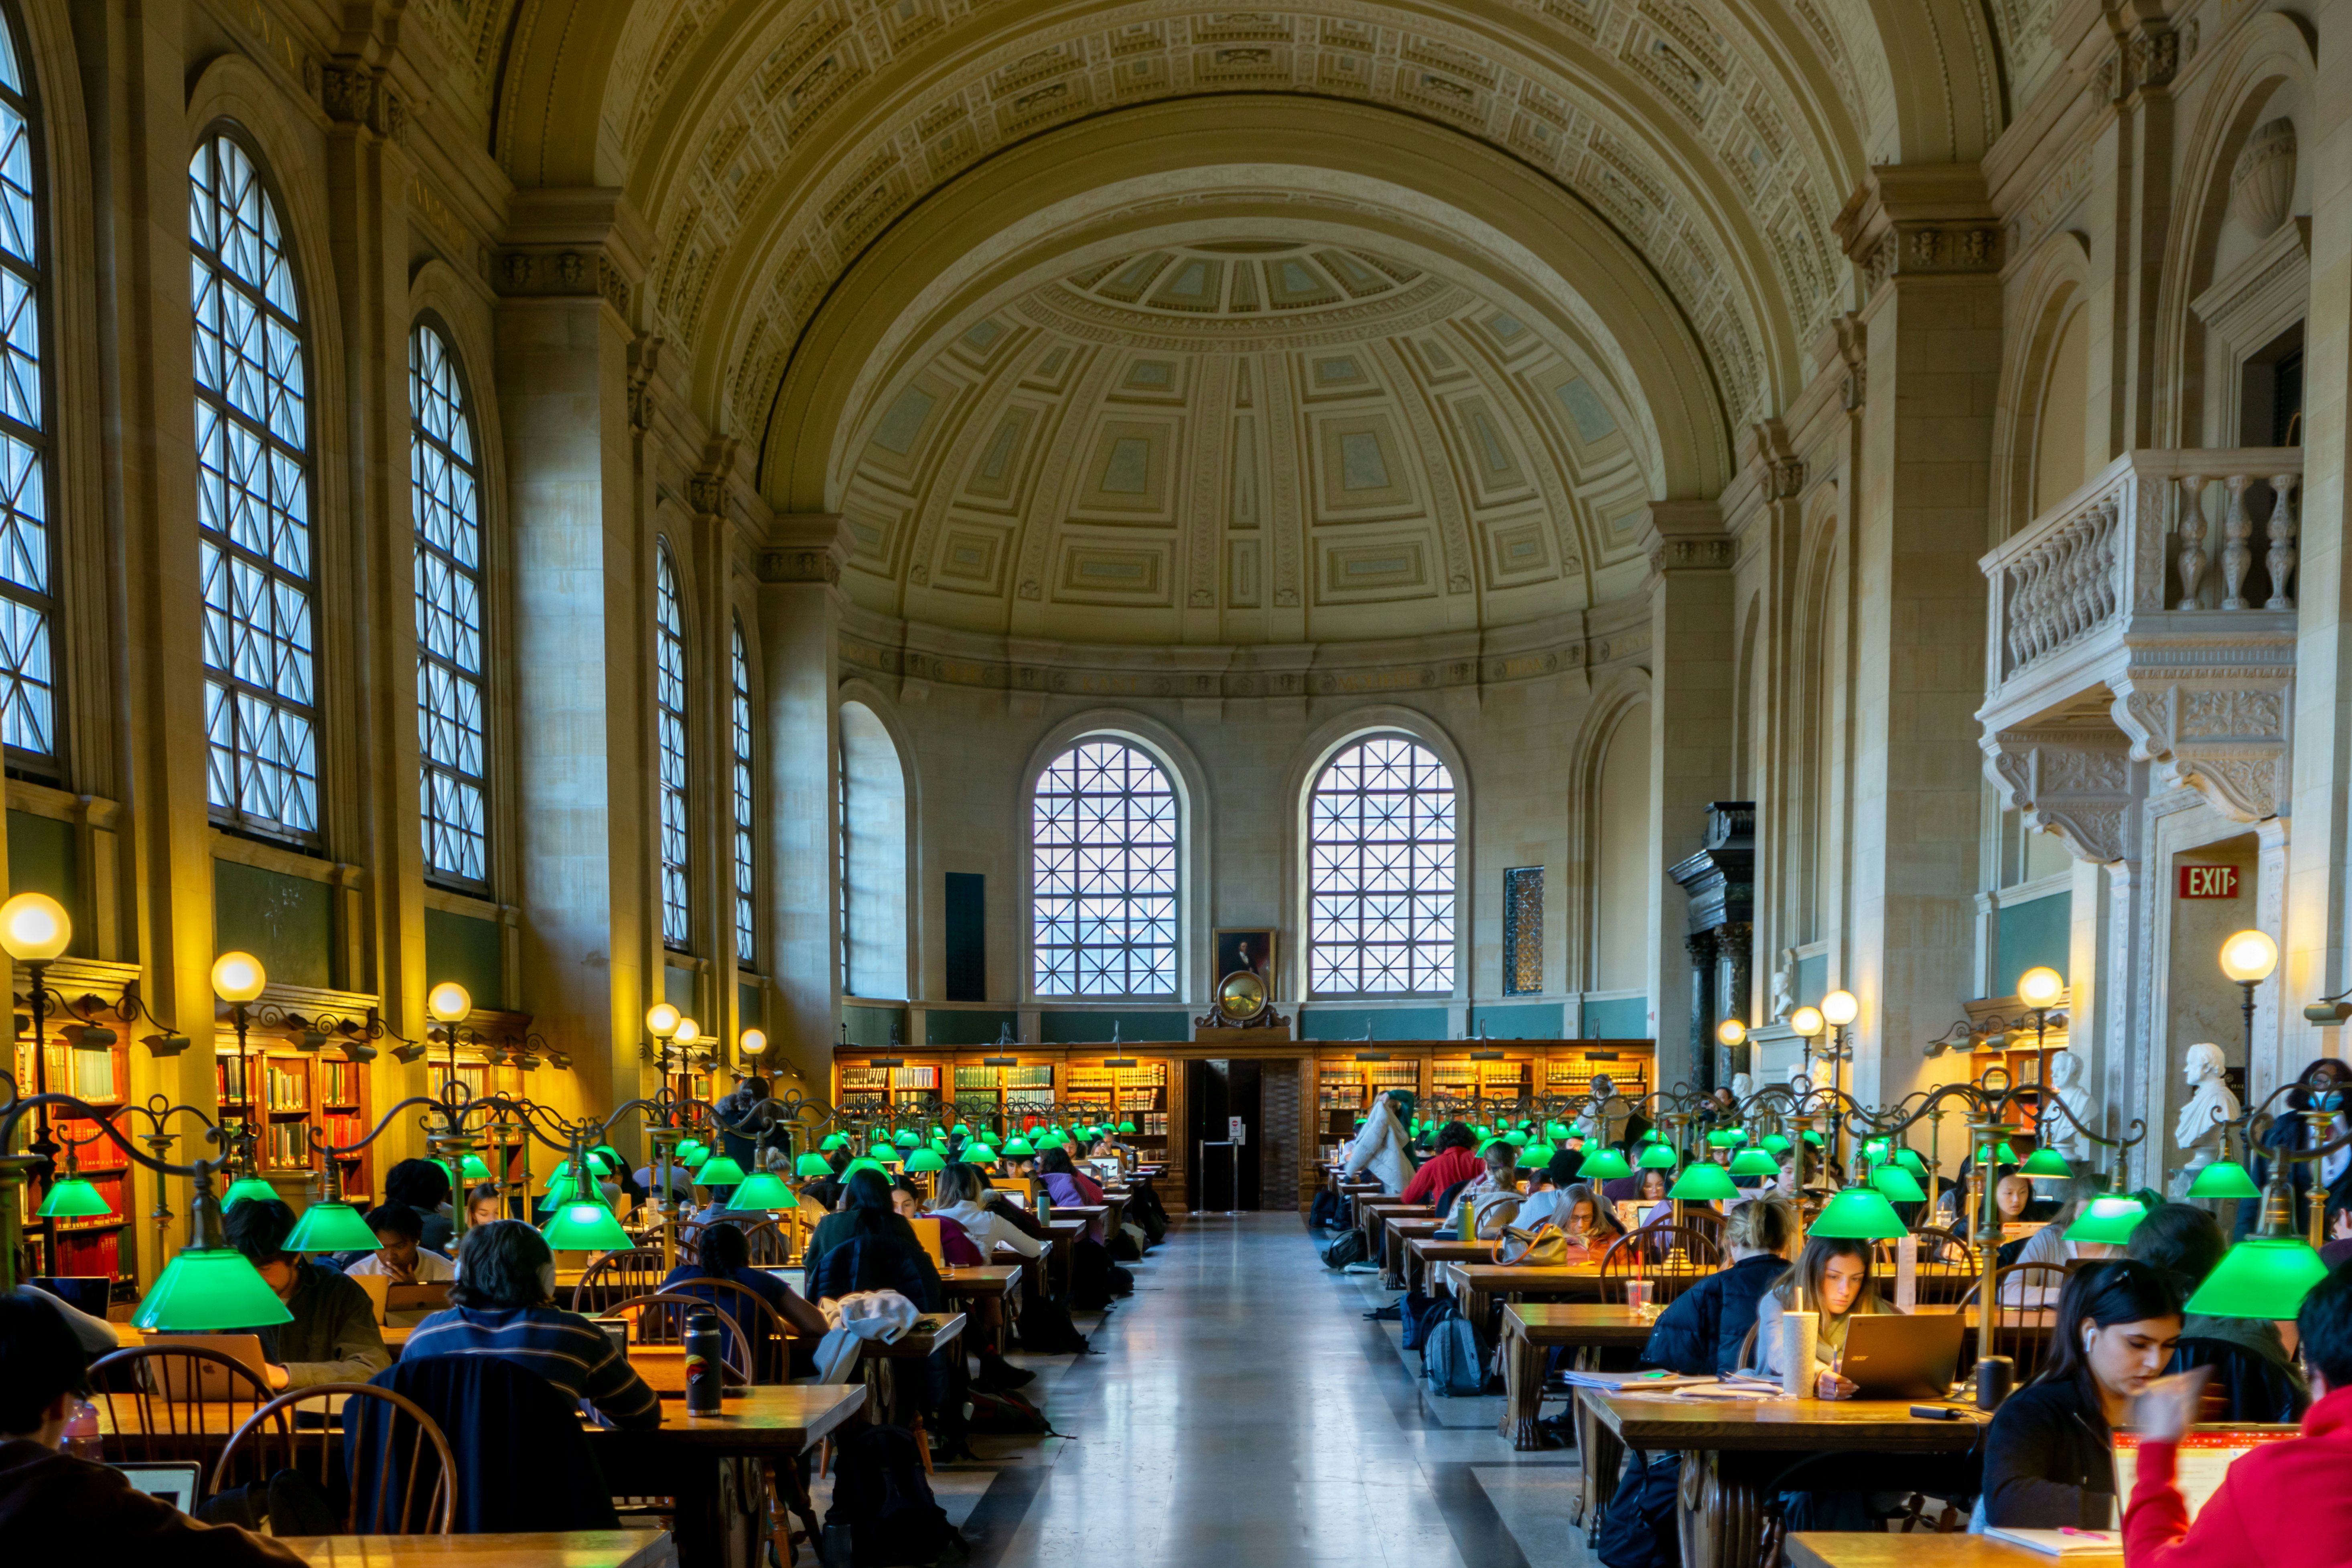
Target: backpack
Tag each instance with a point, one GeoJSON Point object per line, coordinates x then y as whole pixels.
{"type": "Point", "coordinates": [1450, 1357]}
{"type": "Point", "coordinates": [1003, 1413]}
{"type": "Point", "coordinates": [1639, 1528]}
{"type": "Point", "coordinates": [957, 1247]}
{"type": "Point", "coordinates": [1094, 1278]}
{"type": "Point", "coordinates": [1346, 1247]}
{"type": "Point", "coordinates": [1324, 1213]}
{"type": "Point", "coordinates": [1419, 1313]}
{"type": "Point", "coordinates": [881, 1495]}
{"type": "Point", "coordinates": [1046, 1329]}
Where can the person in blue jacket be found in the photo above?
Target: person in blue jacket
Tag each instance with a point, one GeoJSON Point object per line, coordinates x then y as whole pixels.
{"type": "Point", "coordinates": [1700, 1333]}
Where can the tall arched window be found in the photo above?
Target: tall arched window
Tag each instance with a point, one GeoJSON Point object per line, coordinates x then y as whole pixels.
{"type": "Point", "coordinates": [253, 502]}
{"type": "Point", "coordinates": [27, 562]}
{"type": "Point", "coordinates": [446, 497]}
{"type": "Point", "coordinates": [670, 706]}
{"type": "Point", "coordinates": [1380, 871]}
{"type": "Point", "coordinates": [1103, 869]}
{"type": "Point", "coordinates": [739, 733]}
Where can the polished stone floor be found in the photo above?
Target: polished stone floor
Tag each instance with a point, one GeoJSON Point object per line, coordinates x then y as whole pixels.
{"type": "Point", "coordinates": [1244, 1414]}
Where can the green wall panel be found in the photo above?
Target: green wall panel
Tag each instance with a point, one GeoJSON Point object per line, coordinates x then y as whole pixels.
{"type": "Point", "coordinates": [871, 1026]}
{"type": "Point", "coordinates": [1618, 1018]}
{"type": "Point", "coordinates": [1387, 1023]}
{"type": "Point", "coordinates": [962, 1029]}
{"type": "Point", "coordinates": [2039, 931]}
{"type": "Point", "coordinates": [44, 856]}
{"type": "Point", "coordinates": [467, 950]}
{"type": "Point", "coordinates": [1522, 1021]}
{"type": "Point", "coordinates": [1086, 1028]}
{"type": "Point", "coordinates": [288, 922]}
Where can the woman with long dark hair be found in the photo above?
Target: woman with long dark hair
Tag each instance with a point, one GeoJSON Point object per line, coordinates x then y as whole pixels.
{"type": "Point", "coordinates": [1831, 1277]}
{"type": "Point", "coordinates": [879, 1249]}
{"type": "Point", "coordinates": [2049, 1454]}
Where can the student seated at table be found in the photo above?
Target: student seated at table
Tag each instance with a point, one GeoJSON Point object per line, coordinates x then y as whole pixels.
{"type": "Point", "coordinates": [722, 1253]}
{"type": "Point", "coordinates": [2049, 1245]}
{"type": "Point", "coordinates": [966, 1200]}
{"type": "Point", "coordinates": [1835, 1275]}
{"type": "Point", "coordinates": [2253, 1376]}
{"type": "Point", "coordinates": [1582, 1215]}
{"type": "Point", "coordinates": [1379, 1150]}
{"type": "Point", "coordinates": [887, 1254]}
{"type": "Point", "coordinates": [485, 1204]}
{"type": "Point", "coordinates": [1455, 1162]}
{"type": "Point", "coordinates": [1069, 1187]}
{"type": "Point", "coordinates": [1567, 1162]}
{"type": "Point", "coordinates": [2049, 1452]}
{"type": "Point", "coordinates": [398, 1256]}
{"type": "Point", "coordinates": [681, 1183]}
{"type": "Point", "coordinates": [1705, 1328]}
{"type": "Point", "coordinates": [55, 1507]}
{"type": "Point", "coordinates": [906, 1197]}
{"type": "Point", "coordinates": [2284, 1505]}
{"type": "Point", "coordinates": [423, 1185]}
{"type": "Point", "coordinates": [332, 1337]}
{"type": "Point", "coordinates": [504, 1306]}
{"type": "Point", "coordinates": [1494, 1195]}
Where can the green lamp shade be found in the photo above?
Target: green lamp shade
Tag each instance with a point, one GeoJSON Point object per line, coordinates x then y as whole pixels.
{"type": "Point", "coordinates": [693, 1158]}
{"type": "Point", "coordinates": [1703, 1183]}
{"type": "Point", "coordinates": [204, 1291]}
{"type": "Point", "coordinates": [720, 1171]}
{"type": "Point", "coordinates": [1536, 1154]}
{"type": "Point", "coordinates": [1556, 1130]}
{"type": "Point", "coordinates": [833, 1140]}
{"type": "Point", "coordinates": [1909, 1160]}
{"type": "Point", "coordinates": [1776, 1143]}
{"type": "Point", "coordinates": [1126, 1127]}
{"type": "Point", "coordinates": [585, 1228]}
{"type": "Point", "coordinates": [331, 1227]}
{"type": "Point", "coordinates": [547, 1203]}
{"type": "Point", "coordinates": [245, 1187]}
{"type": "Point", "coordinates": [558, 1176]}
{"type": "Point", "coordinates": [2111, 1219]}
{"type": "Point", "coordinates": [1748, 1163]}
{"type": "Point", "coordinates": [925, 1160]}
{"type": "Point", "coordinates": [763, 1191]}
{"type": "Point", "coordinates": [1515, 1138]}
{"type": "Point", "coordinates": [1813, 1138]}
{"type": "Point", "coordinates": [2004, 1155]}
{"type": "Point", "coordinates": [1859, 1213]}
{"type": "Point", "coordinates": [2262, 1277]}
{"type": "Point", "coordinates": [75, 1198]}
{"type": "Point", "coordinates": [1897, 1183]}
{"type": "Point", "coordinates": [1018, 1148]}
{"type": "Point", "coordinates": [1659, 1157]}
{"type": "Point", "coordinates": [1727, 1137]}
{"type": "Point", "coordinates": [475, 1170]}
{"type": "Point", "coordinates": [906, 1139]}
{"type": "Point", "coordinates": [1608, 1164]}
{"type": "Point", "coordinates": [601, 1161]}
{"type": "Point", "coordinates": [979, 1155]}
{"type": "Point", "coordinates": [2047, 1162]}
{"type": "Point", "coordinates": [813, 1165]}
{"type": "Point", "coordinates": [2224, 1179]}
{"type": "Point", "coordinates": [963, 1129]}
{"type": "Point", "coordinates": [856, 1165]}
{"type": "Point", "coordinates": [1876, 1148]}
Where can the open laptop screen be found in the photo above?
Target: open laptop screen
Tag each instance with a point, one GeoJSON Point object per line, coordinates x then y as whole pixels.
{"type": "Point", "coordinates": [2206, 1455]}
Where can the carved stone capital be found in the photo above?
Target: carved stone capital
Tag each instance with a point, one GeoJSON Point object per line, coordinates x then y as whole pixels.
{"type": "Point", "coordinates": [806, 547]}
{"type": "Point", "coordinates": [1687, 536]}
{"type": "Point", "coordinates": [356, 94]}
{"type": "Point", "coordinates": [2222, 733]}
{"type": "Point", "coordinates": [2084, 786]}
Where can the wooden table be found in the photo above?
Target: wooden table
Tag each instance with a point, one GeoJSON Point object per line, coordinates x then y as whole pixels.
{"type": "Point", "coordinates": [1395, 1232]}
{"type": "Point", "coordinates": [1371, 1221]}
{"type": "Point", "coordinates": [706, 1462]}
{"type": "Point", "coordinates": [1737, 1454]}
{"type": "Point", "coordinates": [394, 1336]}
{"type": "Point", "coordinates": [1531, 1328]}
{"type": "Point", "coordinates": [990, 1293]}
{"type": "Point", "coordinates": [1065, 1234]}
{"type": "Point", "coordinates": [1477, 1286]}
{"type": "Point", "coordinates": [566, 1549]}
{"type": "Point", "coordinates": [1424, 1255]}
{"type": "Point", "coordinates": [1870, 1551]}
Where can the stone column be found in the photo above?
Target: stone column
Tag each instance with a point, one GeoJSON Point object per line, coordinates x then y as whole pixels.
{"type": "Point", "coordinates": [1930, 251]}
{"type": "Point", "coordinates": [1736, 943]}
{"type": "Point", "coordinates": [1692, 637]}
{"type": "Point", "coordinates": [583, 606]}
{"type": "Point", "coordinates": [1704, 1006]}
{"type": "Point", "coordinates": [800, 620]}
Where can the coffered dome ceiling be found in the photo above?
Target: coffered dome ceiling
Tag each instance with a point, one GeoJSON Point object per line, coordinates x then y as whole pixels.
{"type": "Point", "coordinates": [1244, 439]}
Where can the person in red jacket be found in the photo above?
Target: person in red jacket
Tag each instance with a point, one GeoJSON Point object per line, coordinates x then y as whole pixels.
{"type": "Point", "coordinates": [2284, 1505]}
{"type": "Point", "coordinates": [1455, 1162]}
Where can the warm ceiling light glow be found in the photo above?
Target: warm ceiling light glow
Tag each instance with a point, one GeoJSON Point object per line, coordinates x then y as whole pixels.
{"type": "Point", "coordinates": [687, 1032]}
{"type": "Point", "coordinates": [2039, 986]}
{"type": "Point", "coordinates": [661, 1019]}
{"type": "Point", "coordinates": [1841, 1008]}
{"type": "Point", "coordinates": [1731, 1032]}
{"type": "Point", "coordinates": [448, 1002]}
{"type": "Point", "coordinates": [753, 1042]}
{"type": "Point", "coordinates": [2249, 957]}
{"type": "Point", "coordinates": [238, 977]}
{"type": "Point", "coordinates": [1807, 1021]}
{"type": "Point", "coordinates": [33, 928]}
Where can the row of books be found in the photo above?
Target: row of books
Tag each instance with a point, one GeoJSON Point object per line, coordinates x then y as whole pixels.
{"type": "Point", "coordinates": [339, 1083]}
{"type": "Point", "coordinates": [85, 1075]}
{"type": "Point", "coordinates": [286, 1144]}
{"type": "Point", "coordinates": [287, 1087]}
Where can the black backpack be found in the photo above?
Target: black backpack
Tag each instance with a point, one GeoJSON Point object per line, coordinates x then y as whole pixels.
{"type": "Point", "coordinates": [1324, 1213]}
{"type": "Point", "coordinates": [1001, 1413]}
{"type": "Point", "coordinates": [1046, 1329]}
{"type": "Point", "coordinates": [1640, 1528]}
{"type": "Point", "coordinates": [1419, 1314]}
{"type": "Point", "coordinates": [1346, 1247]}
{"type": "Point", "coordinates": [881, 1495]}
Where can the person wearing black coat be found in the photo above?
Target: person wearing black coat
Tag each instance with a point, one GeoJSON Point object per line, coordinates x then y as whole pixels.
{"type": "Point", "coordinates": [2254, 1378]}
{"type": "Point", "coordinates": [1701, 1330]}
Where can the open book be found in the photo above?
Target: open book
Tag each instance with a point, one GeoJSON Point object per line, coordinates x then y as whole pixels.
{"type": "Point", "coordinates": [2062, 1542]}
{"type": "Point", "coordinates": [1631, 1381]}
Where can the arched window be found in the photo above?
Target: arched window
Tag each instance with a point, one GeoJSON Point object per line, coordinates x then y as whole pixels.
{"type": "Point", "coordinates": [253, 502]}
{"type": "Point", "coordinates": [670, 706]}
{"type": "Point", "coordinates": [27, 561]}
{"type": "Point", "coordinates": [1103, 874]}
{"type": "Point", "coordinates": [1380, 871]}
{"type": "Point", "coordinates": [446, 495]}
{"type": "Point", "coordinates": [739, 733]}
{"type": "Point", "coordinates": [870, 848]}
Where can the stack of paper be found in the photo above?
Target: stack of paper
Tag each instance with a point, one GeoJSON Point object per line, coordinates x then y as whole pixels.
{"type": "Point", "coordinates": [2066, 1542]}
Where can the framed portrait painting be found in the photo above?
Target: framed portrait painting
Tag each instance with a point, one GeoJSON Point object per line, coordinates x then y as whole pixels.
{"type": "Point", "coordinates": [1250, 948]}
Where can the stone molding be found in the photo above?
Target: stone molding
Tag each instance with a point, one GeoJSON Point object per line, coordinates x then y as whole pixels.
{"type": "Point", "coordinates": [2219, 728]}
{"type": "Point", "coordinates": [2085, 786]}
{"type": "Point", "coordinates": [805, 547]}
{"type": "Point", "coordinates": [355, 94]}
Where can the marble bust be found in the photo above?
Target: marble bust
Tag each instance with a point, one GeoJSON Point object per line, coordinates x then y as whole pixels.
{"type": "Point", "coordinates": [2198, 1132]}
{"type": "Point", "coordinates": [2066, 1086]}
{"type": "Point", "coordinates": [1742, 1086]}
{"type": "Point", "coordinates": [1784, 985]}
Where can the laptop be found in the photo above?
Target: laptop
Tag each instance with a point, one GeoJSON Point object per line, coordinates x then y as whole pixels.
{"type": "Point", "coordinates": [1889, 1355]}
{"type": "Point", "coordinates": [378, 1288]}
{"type": "Point", "coordinates": [2205, 1456]}
{"type": "Point", "coordinates": [426, 1295]}
{"type": "Point", "coordinates": [179, 1485]}
{"type": "Point", "coordinates": [212, 1380]}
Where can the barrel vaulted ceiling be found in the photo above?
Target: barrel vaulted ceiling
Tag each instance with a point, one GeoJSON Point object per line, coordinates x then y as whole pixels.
{"type": "Point", "coordinates": [773, 147]}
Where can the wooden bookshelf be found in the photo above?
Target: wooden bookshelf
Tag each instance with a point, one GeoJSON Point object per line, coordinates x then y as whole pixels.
{"type": "Point", "coordinates": [301, 1093]}
{"type": "Point", "coordinates": [84, 1247]}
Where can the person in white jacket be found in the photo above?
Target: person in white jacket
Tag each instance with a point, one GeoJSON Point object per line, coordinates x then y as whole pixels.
{"type": "Point", "coordinates": [1379, 1150]}
{"type": "Point", "coordinates": [965, 1197]}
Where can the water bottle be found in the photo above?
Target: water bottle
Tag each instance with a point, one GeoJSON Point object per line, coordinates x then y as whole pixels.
{"type": "Point", "coordinates": [703, 1373]}
{"type": "Point", "coordinates": [83, 1440]}
{"type": "Point", "coordinates": [1466, 1221]}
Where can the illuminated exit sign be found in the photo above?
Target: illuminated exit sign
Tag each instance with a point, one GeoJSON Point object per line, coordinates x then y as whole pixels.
{"type": "Point", "coordinates": [2209, 881]}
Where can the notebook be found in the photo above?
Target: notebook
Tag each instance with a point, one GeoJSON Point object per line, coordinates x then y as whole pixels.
{"type": "Point", "coordinates": [2061, 1543]}
{"type": "Point", "coordinates": [2206, 1455]}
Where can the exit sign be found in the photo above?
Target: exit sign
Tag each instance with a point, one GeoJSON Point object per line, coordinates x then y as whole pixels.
{"type": "Point", "coordinates": [2209, 881]}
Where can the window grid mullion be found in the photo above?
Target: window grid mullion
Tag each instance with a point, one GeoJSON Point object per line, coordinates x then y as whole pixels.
{"type": "Point", "coordinates": [1103, 858]}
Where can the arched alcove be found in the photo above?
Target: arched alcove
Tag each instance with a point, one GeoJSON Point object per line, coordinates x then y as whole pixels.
{"type": "Point", "coordinates": [872, 858]}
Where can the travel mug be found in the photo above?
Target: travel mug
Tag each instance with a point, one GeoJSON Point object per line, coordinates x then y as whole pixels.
{"type": "Point", "coordinates": [1996, 1375]}
{"type": "Point", "coordinates": [702, 1364]}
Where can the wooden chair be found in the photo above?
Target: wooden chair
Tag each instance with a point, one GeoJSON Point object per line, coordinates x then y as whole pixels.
{"type": "Point", "coordinates": [2025, 1300]}
{"type": "Point", "coordinates": [1673, 1258]}
{"type": "Point", "coordinates": [617, 1276]}
{"type": "Point", "coordinates": [1946, 1267]}
{"type": "Point", "coordinates": [772, 1337]}
{"type": "Point", "coordinates": [658, 1319]}
{"type": "Point", "coordinates": [770, 1245]}
{"type": "Point", "coordinates": [157, 1418]}
{"type": "Point", "coordinates": [270, 1451]}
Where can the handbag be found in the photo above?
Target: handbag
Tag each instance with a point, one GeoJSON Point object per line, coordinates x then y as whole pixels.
{"type": "Point", "coordinates": [1545, 1246]}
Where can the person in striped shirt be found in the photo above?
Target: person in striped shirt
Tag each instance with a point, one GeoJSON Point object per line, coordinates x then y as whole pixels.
{"type": "Point", "coordinates": [505, 1308]}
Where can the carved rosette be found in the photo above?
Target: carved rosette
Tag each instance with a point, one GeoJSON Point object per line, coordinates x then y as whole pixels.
{"type": "Point", "coordinates": [2084, 786]}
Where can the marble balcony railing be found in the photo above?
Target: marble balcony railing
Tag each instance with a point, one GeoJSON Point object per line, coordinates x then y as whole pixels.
{"type": "Point", "coordinates": [2147, 618]}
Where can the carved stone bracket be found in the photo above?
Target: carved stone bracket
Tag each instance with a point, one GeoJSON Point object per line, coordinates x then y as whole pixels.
{"type": "Point", "coordinates": [810, 547]}
{"type": "Point", "coordinates": [2222, 730]}
{"type": "Point", "coordinates": [2085, 786]}
{"type": "Point", "coordinates": [559, 273]}
{"type": "Point", "coordinates": [355, 94]}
